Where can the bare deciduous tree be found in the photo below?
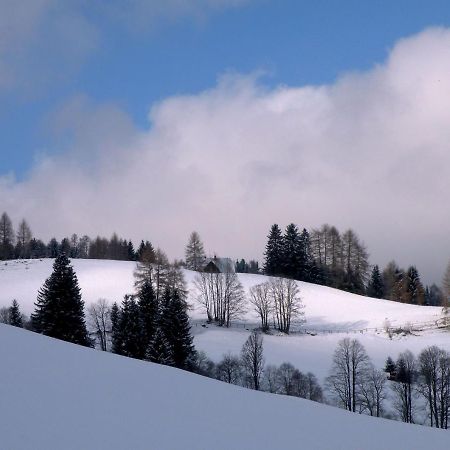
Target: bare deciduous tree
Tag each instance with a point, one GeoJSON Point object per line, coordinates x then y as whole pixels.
{"type": "Point", "coordinates": [252, 360]}
{"type": "Point", "coordinates": [261, 300]}
{"type": "Point", "coordinates": [270, 379]}
{"type": "Point", "coordinates": [287, 303]}
{"type": "Point", "coordinates": [222, 296]}
{"type": "Point", "coordinates": [350, 368]}
{"type": "Point", "coordinates": [372, 391]}
{"type": "Point", "coordinates": [434, 384]}
{"type": "Point", "coordinates": [404, 395]}
{"type": "Point", "coordinates": [229, 369]}
{"type": "Point", "coordinates": [100, 321]}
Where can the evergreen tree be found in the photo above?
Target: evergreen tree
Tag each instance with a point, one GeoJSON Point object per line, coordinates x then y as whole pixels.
{"type": "Point", "coordinates": [415, 293]}
{"type": "Point", "coordinates": [375, 287]}
{"type": "Point", "coordinates": [59, 308]}
{"type": "Point", "coordinates": [128, 339]}
{"type": "Point", "coordinates": [148, 309]}
{"type": "Point", "coordinates": [307, 269]}
{"type": "Point", "coordinates": [130, 252]}
{"type": "Point", "coordinates": [53, 248]}
{"type": "Point", "coordinates": [116, 338]}
{"type": "Point", "coordinates": [176, 329]}
{"type": "Point", "coordinates": [159, 350]}
{"type": "Point", "coordinates": [390, 367]}
{"type": "Point", "coordinates": [292, 252]}
{"type": "Point", "coordinates": [15, 317]}
{"type": "Point", "coordinates": [274, 252]}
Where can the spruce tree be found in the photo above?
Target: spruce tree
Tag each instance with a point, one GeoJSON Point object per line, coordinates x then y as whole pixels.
{"type": "Point", "coordinates": [128, 339]}
{"type": "Point", "coordinates": [414, 291]}
{"type": "Point", "coordinates": [116, 337]}
{"type": "Point", "coordinates": [59, 309]}
{"type": "Point", "coordinates": [148, 311]}
{"type": "Point", "coordinates": [159, 350]}
{"type": "Point", "coordinates": [176, 329]}
{"type": "Point", "coordinates": [307, 270]}
{"type": "Point", "coordinates": [375, 288]}
{"type": "Point", "coordinates": [291, 252]}
{"type": "Point", "coordinates": [274, 252]}
{"type": "Point", "coordinates": [15, 317]}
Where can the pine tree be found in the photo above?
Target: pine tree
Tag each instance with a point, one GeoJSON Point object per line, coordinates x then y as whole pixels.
{"type": "Point", "coordinates": [375, 287]}
{"type": "Point", "coordinates": [15, 317]}
{"type": "Point", "coordinates": [194, 253]}
{"type": "Point", "coordinates": [414, 291]}
{"type": "Point", "coordinates": [274, 252]}
{"type": "Point", "coordinates": [131, 254]}
{"type": "Point", "coordinates": [292, 257]}
{"type": "Point", "coordinates": [116, 338]}
{"type": "Point", "coordinates": [59, 309]}
{"type": "Point", "coordinates": [148, 310]}
{"type": "Point", "coordinates": [128, 338]}
{"type": "Point", "coordinates": [390, 367]}
{"type": "Point", "coordinates": [307, 269]}
{"type": "Point", "coordinates": [175, 327]}
{"type": "Point", "coordinates": [159, 350]}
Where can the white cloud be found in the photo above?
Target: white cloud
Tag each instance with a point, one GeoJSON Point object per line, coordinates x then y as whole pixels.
{"type": "Point", "coordinates": [371, 151]}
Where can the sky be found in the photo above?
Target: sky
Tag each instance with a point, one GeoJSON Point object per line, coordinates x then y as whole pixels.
{"type": "Point", "coordinates": [152, 119]}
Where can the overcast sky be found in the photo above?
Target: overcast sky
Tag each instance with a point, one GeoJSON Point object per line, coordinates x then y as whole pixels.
{"type": "Point", "coordinates": [226, 116]}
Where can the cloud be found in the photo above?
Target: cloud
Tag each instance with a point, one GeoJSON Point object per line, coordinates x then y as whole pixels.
{"type": "Point", "coordinates": [370, 151]}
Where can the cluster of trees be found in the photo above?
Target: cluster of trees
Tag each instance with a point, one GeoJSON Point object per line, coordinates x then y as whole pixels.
{"type": "Point", "coordinates": [276, 302]}
{"type": "Point", "coordinates": [323, 256]}
{"type": "Point", "coordinates": [152, 324]}
{"type": "Point", "coordinates": [340, 260]}
{"type": "Point", "coordinates": [396, 284]}
{"type": "Point", "coordinates": [289, 254]}
{"type": "Point", "coordinates": [425, 378]}
{"type": "Point", "coordinates": [356, 385]}
{"type": "Point", "coordinates": [20, 244]}
{"type": "Point", "coordinates": [249, 370]}
{"type": "Point", "coordinates": [279, 301]}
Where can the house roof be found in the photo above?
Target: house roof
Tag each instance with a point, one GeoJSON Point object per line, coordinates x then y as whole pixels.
{"type": "Point", "coordinates": [222, 264]}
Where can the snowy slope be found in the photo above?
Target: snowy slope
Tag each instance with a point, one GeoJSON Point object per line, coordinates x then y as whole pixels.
{"type": "Point", "coordinates": [57, 396]}
{"type": "Point", "coordinates": [325, 308]}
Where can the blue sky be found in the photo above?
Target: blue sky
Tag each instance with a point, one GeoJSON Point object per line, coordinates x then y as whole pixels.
{"type": "Point", "coordinates": [152, 119]}
{"type": "Point", "coordinates": [293, 42]}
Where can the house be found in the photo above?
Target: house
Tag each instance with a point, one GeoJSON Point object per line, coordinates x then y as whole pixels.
{"type": "Point", "coordinates": [218, 265]}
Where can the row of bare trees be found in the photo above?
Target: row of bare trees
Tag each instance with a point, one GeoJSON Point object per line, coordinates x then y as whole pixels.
{"type": "Point", "coordinates": [249, 370]}
{"type": "Point", "coordinates": [356, 385]}
{"type": "Point", "coordinates": [223, 298]}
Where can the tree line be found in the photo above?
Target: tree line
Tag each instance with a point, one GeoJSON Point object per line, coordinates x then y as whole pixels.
{"type": "Point", "coordinates": [341, 260]}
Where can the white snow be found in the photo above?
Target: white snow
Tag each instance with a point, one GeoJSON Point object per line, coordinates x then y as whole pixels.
{"type": "Point", "coordinates": [331, 313]}
{"type": "Point", "coordinates": [55, 395]}
{"type": "Point", "coordinates": [325, 308]}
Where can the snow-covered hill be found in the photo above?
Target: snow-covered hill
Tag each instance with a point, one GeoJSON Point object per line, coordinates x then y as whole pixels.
{"type": "Point", "coordinates": [332, 312]}
{"type": "Point", "coordinates": [55, 395]}
{"type": "Point", "coordinates": [325, 308]}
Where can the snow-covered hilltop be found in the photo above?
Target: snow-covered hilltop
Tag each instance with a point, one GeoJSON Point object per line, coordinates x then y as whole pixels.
{"type": "Point", "coordinates": [326, 309]}
{"type": "Point", "coordinates": [56, 395]}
